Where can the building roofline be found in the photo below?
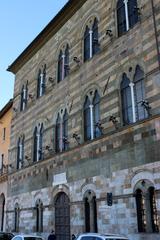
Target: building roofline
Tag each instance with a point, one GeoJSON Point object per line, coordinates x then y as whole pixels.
{"type": "Point", "coordinates": [6, 108]}
{"type": "Point", "coordinates": [52, 27]}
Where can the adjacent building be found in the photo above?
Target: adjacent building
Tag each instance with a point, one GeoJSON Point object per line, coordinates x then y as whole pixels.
{"type": "Point", "coordinates": [5, 126]}
{"type": "Point", "coordinates": [85, 134]}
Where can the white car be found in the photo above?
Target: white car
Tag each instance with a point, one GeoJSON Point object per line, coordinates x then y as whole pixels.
{"type": "Point", "coordinates": [97, 236]}
{"type": "Point", "coordinates": [27, 237]}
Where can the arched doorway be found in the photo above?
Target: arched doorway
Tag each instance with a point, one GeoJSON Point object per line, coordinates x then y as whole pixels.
{"type": "Point", "coordinates": [90, 208]}
{"type": "Point", "coordinates": [2, 204]}
{"type": "Point", "coordinates": [62, 217]}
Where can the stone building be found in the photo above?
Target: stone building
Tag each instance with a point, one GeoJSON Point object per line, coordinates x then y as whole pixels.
{"type": "Point", "coordinates": [5, 126]}
{"type": "Point", "coordinates": [85, 134]}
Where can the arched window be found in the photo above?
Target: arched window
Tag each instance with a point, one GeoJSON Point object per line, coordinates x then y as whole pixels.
{"type": "Point", "coordinates": [16, 217]}
{"type": "Point", "coordinates": [87, 119]}
{"type": "Point", "coordinates": [95, 42]}
{"type": "Point", "coordinates": [92, 117]}
{"type": "Point", "coordinates": [91, 40]}
{"type": "Point", "coordinates": [63, 64]}
{"type": "Point", "coordinates": [38, 143]}
{"type": "Point", "coordinates": [132, 97]}
{"type": "Point", "coordinates": [87, 44]}
{"type": "Point", "coordinates": [39, 216]}
{"type": "Point", "coordinates": [65, 130]}
{"type": "Point", "coordinates": [41, 81]}
{"type": "Point", "coordinates": [60, 66]}
{"type": "Point", "coordinates": [127, 15]}
{"type": "Point", "coordinates": [126, 100]}
{"type": "Point", "coordinates": [153, 208]}
{"type": "Point", "coordinates": [20, 152]}
{"type": "Point", "coordinates": [58, 133]}
{"type": "Point", "coordinates": [2, 204]}
{"type": "Point", "coordinates": [24, 97]}
{"type": "Point", "coordinates": [62, 132]}
{"type": "Point", "coordinates": [66, 61]}
{"type": "Point", "coordinates": [90, 207]}
{"type": "Point", "coordinates": [147, 217]}
{"type": "Point", "coordinates": [139, 94]}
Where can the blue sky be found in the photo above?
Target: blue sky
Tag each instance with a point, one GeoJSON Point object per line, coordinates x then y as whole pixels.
{"type": "Point", "coordinates": [20, 22]}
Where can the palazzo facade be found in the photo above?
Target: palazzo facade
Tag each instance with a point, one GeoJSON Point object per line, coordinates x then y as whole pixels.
{"type": "Point", "coordinates": [85, 133]}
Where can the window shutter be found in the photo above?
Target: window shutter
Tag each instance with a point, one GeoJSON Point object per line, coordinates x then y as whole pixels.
{"type": "Point", "coordinates": [86, 44]}
{"type": "Point", "coordinates": [132, 12]}
{"type": "Point", "coordinates": [66, 61]}
{"type": "Point", "coordinates": [96, 114]}
{"type": "Point", "coordinates": [121, 18]}
{"type": "Point", "coordinates": [126, 100]}
{"type": "Point", "coordinates": [87, 120]}
{"type": "Point", "coordinates": [95, 41]}
{"type": "Point", "coordinates": [60, 66]}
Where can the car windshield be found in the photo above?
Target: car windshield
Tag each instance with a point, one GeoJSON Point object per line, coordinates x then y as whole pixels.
{"type": "Point", "coordinates": [115, 239]}
{"type": "Point", "coordinates": [5, 236]}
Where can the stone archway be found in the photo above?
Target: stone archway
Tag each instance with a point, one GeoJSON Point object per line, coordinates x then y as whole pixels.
{"type": "Point", "coordinates": [62, 217]}
{"type": "Point", "coordinates": [2, 204]}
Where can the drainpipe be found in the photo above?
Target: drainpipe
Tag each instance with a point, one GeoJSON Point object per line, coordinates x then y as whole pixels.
{"type": "Point", "coordinates": [156, 33]}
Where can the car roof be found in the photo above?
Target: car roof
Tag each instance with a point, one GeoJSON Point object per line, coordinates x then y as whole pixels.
{"type": "Point", "coordinates": [103, 235]}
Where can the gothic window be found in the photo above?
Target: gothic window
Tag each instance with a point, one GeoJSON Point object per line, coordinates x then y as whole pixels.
{"type": "Point", "coordinates": [95, 42]}
{"type": "Point", "coordinates": [39, 216]}
{"type": "Point", "coordinates": [63, 64]}
{"type": "Point", "coordinates": [20, 152]}
{"type": "Point", "coordinates": [91, 41]}
{"type": "Point", "coordinates": [61, 130]}
{"type": "Point", "coordinates": [127, 15]}
{"type": "Point", "coordinates": [91, 113]}
{"type": "Point", "coordinates": [2, 163]}
{"type": "Point", "coordinates": [16, 217]}
{"type": "Point", "coordinates": [66, 62]}
{"type": "Point", "coordinates": [132, 97]}
{"type": "Point", "coordinates": [24, 96]}
{"type": "Point", "coordinates": [90, 208]}
{"type": "Point", "coordinates": [126, 100]}
{"type": "Point", "coordinates": [65, 130]}
{"type": "Point", "coordinates": [147, 217]}
{"type": "Point", "coordinates": [2, 204]}
{"type": "Point", "coordinates": [41, 81]}
{"type": "Point", "coordinates": [38, 143]}
{"type": "Point", "coordinates": [139, 94]}
{"type": "Point", "coordinates": [87, 44]}
{"type": "Point", "coordinates": [60, 66]}
{"type": "Point", "coordinates": [153, 208]}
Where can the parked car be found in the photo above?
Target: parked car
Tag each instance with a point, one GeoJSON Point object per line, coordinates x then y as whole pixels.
{"type": "Point", "coordinates": [97, 236]}
{"type": "Point", "coordinates": [27, 237]}
{"type": "Point", "coordinates": [6, 236]}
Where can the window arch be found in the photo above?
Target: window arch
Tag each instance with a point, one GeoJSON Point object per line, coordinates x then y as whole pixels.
{"type": "Point", "coordinates": [16, 217]}
{"type": "Point", "coordinates": [24, 97]}
{"type": "Point", "coordinates": [127, 15]}
{"type": "Point", "coordinates": [147, 217]}
{"type": "Point", "coordinates": [91, 40]}
{"type": "Point", "coordinates": [41, 81]}
{"type": "Point", "coordinates": [91, 112]}
{"type": "Point", "coordinates": [38, 143]}
{"type": "Point", "coordinates": [132, 97]}
{"type": "Point", "coordinates": [20, 152]}
{"type": "Point", "coordinates": [39, 216]}
{"type": "Point", "coordinates": [90, 208]}
{"type": "Point", "coordinates": [63, 64]}
{"type": "Point", "coordinates": [61, 130]}
{"type": "Point", "coordinates": [2, 205]}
